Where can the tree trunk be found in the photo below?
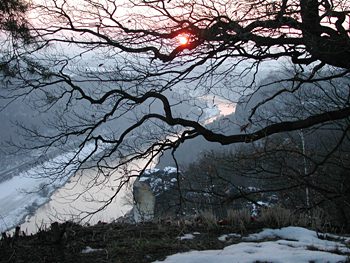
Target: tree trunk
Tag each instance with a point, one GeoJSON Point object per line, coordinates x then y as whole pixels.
{"type": "Point", "coordinates": [330, 47]}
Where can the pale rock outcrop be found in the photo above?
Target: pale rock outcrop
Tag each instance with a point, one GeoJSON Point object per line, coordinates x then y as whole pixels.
{"type": "Point", "coordinates": [154, 194]}
{"type": "Point", "coordinates": [144, 202]}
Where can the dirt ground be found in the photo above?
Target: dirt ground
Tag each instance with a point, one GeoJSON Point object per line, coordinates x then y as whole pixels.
{"type": "Point", "coordinates": [115, 242]}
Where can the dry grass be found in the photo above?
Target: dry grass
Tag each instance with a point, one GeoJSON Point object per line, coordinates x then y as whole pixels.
{"type": "Point", "coordinates": [117, 243]}
{"type": "Point", "coordinates": [277, 216]}
{"type": "Point", "coordinates": [208, 218]}
{"type": "Point", "coordinates": [239, 218]}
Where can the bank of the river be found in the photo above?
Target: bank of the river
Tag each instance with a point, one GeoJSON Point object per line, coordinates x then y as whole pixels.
{"type": "Point", "coordinates": [81, 195]}
{"type": "Point", "coordinates": [154, 242]}
{"type": "Point", "coordinates": [111, 243]}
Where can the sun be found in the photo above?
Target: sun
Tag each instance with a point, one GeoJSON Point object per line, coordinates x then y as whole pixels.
{"type": "Point", "coordinates": [183, 39]}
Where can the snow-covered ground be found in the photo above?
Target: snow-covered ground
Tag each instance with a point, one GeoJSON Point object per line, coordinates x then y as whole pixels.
{"type": "Point", "coordinates": [20, 196]}
{"type": "Point", "coordinates": [24, 193]}
{"type": "Point", "coordinates": [286, 245]}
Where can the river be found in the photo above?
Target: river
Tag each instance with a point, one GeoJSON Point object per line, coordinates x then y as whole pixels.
{"type": "Point", "coordinates": [81, 197]}
{"type": "Point", "coordinates": [84, 194]}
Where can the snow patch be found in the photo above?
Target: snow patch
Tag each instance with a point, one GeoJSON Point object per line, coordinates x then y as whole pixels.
{"type": "Point", "coordinates": [88, 250]}
{"type": "Point", "coordinates": [170, 169]}
{"type": "Point", "coordinates": [186, 237]}
{"type": "Point", "coordinates": [227, 237]}
{"type": "Point", "coordinates": [298, 236]}
{"type": "Point", "coordinates": [151, 171]}
{"type": "Point", "coordinates": [295, 249]}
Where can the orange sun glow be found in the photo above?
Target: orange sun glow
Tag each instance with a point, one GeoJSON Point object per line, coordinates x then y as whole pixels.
{"type": "Point", "coordinates": [182, 39]}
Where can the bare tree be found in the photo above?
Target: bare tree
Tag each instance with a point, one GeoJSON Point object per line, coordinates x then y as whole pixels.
{"type": "Point", "coordinates": [123, 77]}
{"type": "Point", "coordinates": [13, 18]}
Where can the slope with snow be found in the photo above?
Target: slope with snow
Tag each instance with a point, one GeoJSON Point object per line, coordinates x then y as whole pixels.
{"type": "Point", "coordinates": [289, 245]}
{"type": "Point", "coordinates": [23, 194]}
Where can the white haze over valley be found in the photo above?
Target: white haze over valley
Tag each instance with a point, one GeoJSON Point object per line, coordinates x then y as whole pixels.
{"type": "Point", "coordinates": [27, 198]}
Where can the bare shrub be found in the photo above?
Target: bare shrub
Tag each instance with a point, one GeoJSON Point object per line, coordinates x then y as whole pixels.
{"type": "Point", "coordinates": [239, 218]}
{"type": "Point", "coordinates": [208, 218]}
{"type": "Point", "coordinates": [277, 216]}
{"type": "Point", "coordinates": [316, 219]}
